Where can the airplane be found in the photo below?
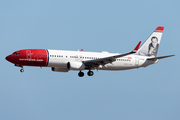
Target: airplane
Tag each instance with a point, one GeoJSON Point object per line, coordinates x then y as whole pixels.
{"type": "Point", "coordinates": [63, 61]}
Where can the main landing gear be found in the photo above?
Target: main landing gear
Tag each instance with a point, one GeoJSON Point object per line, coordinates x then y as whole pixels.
{"type": "Point", "coordinates": [80, 74]}
{"type": "Point", "coordinates": [89, 73]}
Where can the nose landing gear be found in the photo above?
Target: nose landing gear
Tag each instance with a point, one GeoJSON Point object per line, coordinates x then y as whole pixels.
{"type": "Point", "coordinates": [21, 70]}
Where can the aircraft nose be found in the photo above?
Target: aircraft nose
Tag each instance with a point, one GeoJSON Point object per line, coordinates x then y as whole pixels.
{"type": "Point", "coordinates": [8, 58]}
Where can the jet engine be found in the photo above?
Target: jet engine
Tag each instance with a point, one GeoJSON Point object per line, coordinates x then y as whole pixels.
{"type": "Point", "coordinates": [73, 65]}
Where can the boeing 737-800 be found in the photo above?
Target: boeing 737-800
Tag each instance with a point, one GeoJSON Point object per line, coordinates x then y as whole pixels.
{"type": "Point", "coordinates": [63, 61]}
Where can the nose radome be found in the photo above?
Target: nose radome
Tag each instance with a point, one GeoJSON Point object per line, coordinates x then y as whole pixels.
{"type": "Point", "coordinates": [8, 58]}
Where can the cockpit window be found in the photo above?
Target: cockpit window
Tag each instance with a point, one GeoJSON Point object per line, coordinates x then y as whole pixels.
{"type": "Point", "coordinates": [15, 53]}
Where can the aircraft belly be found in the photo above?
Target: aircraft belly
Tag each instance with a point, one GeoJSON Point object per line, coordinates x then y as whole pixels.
{"type": "Point", "coordinates": [118, 66]}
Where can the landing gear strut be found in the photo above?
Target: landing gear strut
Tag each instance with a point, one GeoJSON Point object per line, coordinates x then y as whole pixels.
{"type": "Point", "coordinates": [90, 73]}
{"type": "Point", "coordinates": [80, 74]}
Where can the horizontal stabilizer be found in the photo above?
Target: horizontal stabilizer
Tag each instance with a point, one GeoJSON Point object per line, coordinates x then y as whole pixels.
{"type": "Point", "coordinates": [160, 57]}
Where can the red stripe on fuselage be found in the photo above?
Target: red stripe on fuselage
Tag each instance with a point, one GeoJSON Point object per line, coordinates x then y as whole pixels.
{"type": "Point", "coordinates": [30, 57]}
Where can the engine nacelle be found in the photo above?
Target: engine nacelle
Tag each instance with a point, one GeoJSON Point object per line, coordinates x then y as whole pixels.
{"type": "Point", "coordinates": [57, 69]}
{"type": "Point", "coordinates": [75, 65]}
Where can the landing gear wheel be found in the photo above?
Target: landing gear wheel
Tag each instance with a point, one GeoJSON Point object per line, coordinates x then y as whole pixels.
{"type": "Point", "coordinates": [21, 70]}
{"type": "Point", "coordinates": [90, 73]}
{"type": "Point", "coordinates": [80, 74]}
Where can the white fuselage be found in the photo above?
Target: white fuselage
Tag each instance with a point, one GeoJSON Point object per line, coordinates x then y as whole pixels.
{"type": "Point", "coordinates": [60, 58]}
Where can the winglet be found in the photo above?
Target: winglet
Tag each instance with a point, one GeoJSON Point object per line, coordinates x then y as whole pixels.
{"type": "Point", "coordinates": [137, 47]}
{"type": "Point", "coordinates": [81, 50]}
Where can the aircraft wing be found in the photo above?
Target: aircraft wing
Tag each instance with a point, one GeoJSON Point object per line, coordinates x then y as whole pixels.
{"type": "Point", "coordinates": [110, 59]}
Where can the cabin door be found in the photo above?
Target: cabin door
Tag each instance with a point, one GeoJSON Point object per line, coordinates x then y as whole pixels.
{"type": "Point", "coordinates": [28, 54]}
{"type": "Point", "coordinates": [136, 61]}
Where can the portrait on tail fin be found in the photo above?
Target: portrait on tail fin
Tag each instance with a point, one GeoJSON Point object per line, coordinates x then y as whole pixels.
{"type": "Point", "coordinates": [153, 46]}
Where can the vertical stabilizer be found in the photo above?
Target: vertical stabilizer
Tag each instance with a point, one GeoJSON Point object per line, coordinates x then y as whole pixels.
{"type": "Point", "coordinates": [150, 46]}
